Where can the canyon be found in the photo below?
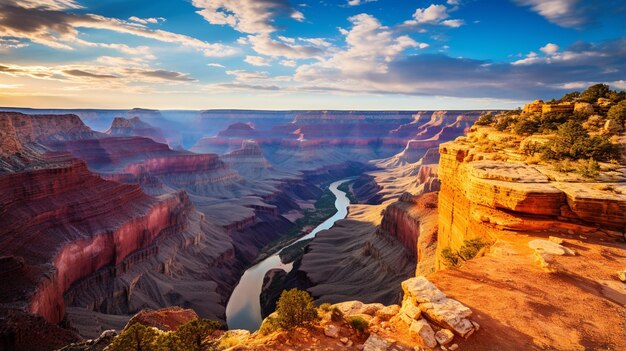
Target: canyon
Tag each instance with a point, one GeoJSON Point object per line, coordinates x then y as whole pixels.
{"type": "Point", "coordinates": [119, 221]}
{"type": "Point", "coordinates": [444, 214]}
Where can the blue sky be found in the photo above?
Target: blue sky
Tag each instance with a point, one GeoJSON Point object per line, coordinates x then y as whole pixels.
{"type": "Point", "coordinates": [307, 54]}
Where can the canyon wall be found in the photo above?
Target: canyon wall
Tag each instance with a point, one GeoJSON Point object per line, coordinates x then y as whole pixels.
{"type": "Point", "coordinates": [482, 197]}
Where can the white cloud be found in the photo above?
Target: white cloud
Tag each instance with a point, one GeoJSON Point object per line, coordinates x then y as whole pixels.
{"type": "Point", "coordinates": [257, 61]}
{"type": "Point", "coordinates": [215, 65]}
{"type": "Point", "coordinates": [265, 45]}
{"type": "Point", "coordinates": [431, 14]}
{"type": "Point", "coordinates": [321, 42]}
{"type": "Point", "coordinates": [550, 49]}
{"type": "Point", "coordinates": [48, 25]}
{"type": "Point", "coordinates": [565, 13]}
{"type": "Point", "coordinates": [554, 56]}
{"type": "Point", "coordinates": [247, 16]}
{"type": "Point", "coordinates": [434, 15]}
{"type": "Point", "coordinates": [243, 75]}
{"type": "Point", "coordinates": [288, 63]}
{"type": "Point", "coordinates": [370, 46]}
{"type": "Point", "coordinates": [151, 20]}
{"type": "Point", "coordinates": [108, 72]}
{"type": "Point", "coordinates": [358, 2]}
{"type": "Point", "coordinates": [454, 23]}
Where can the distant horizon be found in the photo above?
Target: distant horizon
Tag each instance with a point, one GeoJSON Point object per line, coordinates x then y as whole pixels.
{"type": "Point", "coordinates": [4, 108]}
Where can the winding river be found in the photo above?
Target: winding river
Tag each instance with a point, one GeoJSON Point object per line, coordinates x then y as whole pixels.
{"type": "Point", "coordinates": [243, 310]}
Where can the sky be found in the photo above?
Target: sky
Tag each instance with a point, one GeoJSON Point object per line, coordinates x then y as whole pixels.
{"type": "Point", "coordinates": [306, 54]}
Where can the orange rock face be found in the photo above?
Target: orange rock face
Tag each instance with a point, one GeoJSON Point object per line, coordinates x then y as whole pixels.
{"type": "Point", "coordinates": [479, 199]}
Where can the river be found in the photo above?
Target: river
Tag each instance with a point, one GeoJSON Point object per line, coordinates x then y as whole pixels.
{"type": "Point", "coordinates": [243, 310]}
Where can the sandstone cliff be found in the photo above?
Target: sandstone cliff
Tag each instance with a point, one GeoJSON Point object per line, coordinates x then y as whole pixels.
{"type": "Point", "coordinates": [135, 127]}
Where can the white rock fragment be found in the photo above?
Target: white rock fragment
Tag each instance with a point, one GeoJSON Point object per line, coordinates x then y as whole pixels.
{"type": "Point", "coordinates": [423, 332]}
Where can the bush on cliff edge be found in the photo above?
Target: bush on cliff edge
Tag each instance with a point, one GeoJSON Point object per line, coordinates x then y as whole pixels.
{"type": "Point", "coordinates": [295, 308]}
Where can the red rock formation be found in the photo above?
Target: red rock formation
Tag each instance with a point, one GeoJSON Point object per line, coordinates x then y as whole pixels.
{"type": "Point", "coordinates": [80, 223]}
{"type": "Point", "coordinates": [135, 127]}
{"type": "Point", "coordinates": [165, 319]}
{"type": "Point", "coordinates": [483, 199]}
{"type": "Point", "coordinates": [112, 153]}
{"type": "Point", "coordinates": [413, 220]}
{"type": "Point", "coordinates": [44, 128]}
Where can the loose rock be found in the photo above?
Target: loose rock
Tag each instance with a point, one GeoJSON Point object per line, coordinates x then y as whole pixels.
{"type": "Point", "coordinates": [376, 343]}
{"type": "Point", "coordinates": [444, 336]}
{"type": "Point", "coordinates": [424, 333]}
{"type": "Point", "coordinates": [331, 331]}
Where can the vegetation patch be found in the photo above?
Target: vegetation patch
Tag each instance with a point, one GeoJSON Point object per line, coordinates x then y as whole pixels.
{"type": "Point", "coordinates": [295, 308]}
{"type": "Point", "coordinates": [467, 251]}
{"type": "Point", "coordinates": [191, 336]}
{"type": "Point", "coordinates": [359, 324]}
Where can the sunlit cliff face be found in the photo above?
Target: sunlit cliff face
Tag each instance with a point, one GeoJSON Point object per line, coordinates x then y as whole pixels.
{"type": "Point", "coordinates": [282, 55]}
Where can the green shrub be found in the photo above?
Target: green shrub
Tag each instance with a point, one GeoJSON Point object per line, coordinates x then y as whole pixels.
{"type": "Point", "coordinates": [551, 121]}
{"type": "Point", "coordinates": [589, 168]}
{"type": "Point", "coordinates": [503, 122]}
{"type": "Point", "coordinates": [470, 248]}
{"type": "Point", "coordinates": [136, 338]}
{"type": "Point", "coordinates": [193, 333]}
{"type": "Point", "coordinates": [572, 141]}
{"type": "Point", "coordinates": [526, 127]}
{"type": "Point", "coordinates": [449, 258]}
{"type": "Point", "coordinates": [531, 148]}
{"type": "Point", "coordinates": [570, 97]}
{"type": "Point", "coordinates": [295, 308]}
{"type": "Point", "coordinates": [336, 314]}
{"type": "Point", "coordinates": [617, 112]}
{"type": "Point", "coordinates": [594, 92]}
{"type": "Point", "coordinates": [359, 324]}
{"type": "Point", "coordinates": [485, 119]}
{"type": "Point", "coordinates": [467, 251]}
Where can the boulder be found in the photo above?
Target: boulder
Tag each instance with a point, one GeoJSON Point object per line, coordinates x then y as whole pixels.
{"type": "Point", "coordinates": [444, 336]}
{"type": "Point", "coordinates": [410, 309]}
{"type": "Point", "coordinates": [332, 331]}
{"type": "Point", "coordinates": [387, 312]}
{"type": "Point", "coordinates": [421, 290]}
{"type": "Point", "coordinates": [436, 307]}
{"type": "Point", "coordinates": [349, 308]}
{"type": "Point", "coordinates": [423, 333]}
{"type": "Point", "coordinates": [376, 343]}
{"type": "Point", "coordinates": [371, 308]}
{"type": "Point", "coordinates": [583, 107]}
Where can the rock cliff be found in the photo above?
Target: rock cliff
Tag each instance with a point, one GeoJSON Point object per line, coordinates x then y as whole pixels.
{"type": "Point", "coordinates": [135, 127]}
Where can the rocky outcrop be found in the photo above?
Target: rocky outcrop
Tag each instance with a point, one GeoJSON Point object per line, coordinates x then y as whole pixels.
{"type": "Point", "coordinates": [165, 319]}
{"type": "Point", "coordinates": [135, 127]}
{"type": "Point", "coordinates": [413, 221]}
{"type": "Point", "coordinates": [44, 128]}
{"type": "Point", "coordinates": [249, 161]}
{"type": "Point", "coordinates": [478, 198]}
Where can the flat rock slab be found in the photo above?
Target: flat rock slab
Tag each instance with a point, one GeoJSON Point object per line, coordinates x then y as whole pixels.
{"type": "Point", "coordinates": [550, 247]}
{"type": "Point", "coordinates": [511, 172]}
